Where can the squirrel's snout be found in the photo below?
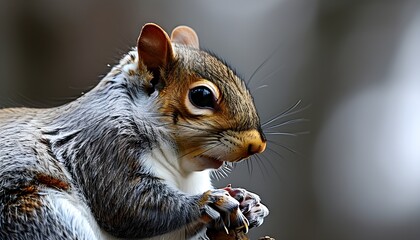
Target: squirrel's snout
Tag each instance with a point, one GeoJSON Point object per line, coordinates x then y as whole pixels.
{"type": "Point", "coordinates": [255, 142]}
{"type": "Point", "coordinates": [256, 147]}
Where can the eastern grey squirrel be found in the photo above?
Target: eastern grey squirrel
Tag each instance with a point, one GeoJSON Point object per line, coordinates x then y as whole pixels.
{"type": "Point", "coordinates": [132, 157]}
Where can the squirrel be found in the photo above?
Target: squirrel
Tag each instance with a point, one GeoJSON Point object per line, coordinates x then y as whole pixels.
{"type": "Point", "coordinates": [132, 157]}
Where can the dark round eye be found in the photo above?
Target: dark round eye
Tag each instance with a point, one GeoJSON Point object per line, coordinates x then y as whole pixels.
{"type": "Point", "coordinates": [202, 97]}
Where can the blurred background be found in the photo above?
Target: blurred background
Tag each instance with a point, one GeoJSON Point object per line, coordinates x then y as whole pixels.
{"type": "Point", "coordinates": [355, 175]}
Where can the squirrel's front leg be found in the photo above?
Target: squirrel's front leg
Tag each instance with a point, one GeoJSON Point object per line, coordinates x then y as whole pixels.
{"type": "Point", "coordinates": [154, 209]}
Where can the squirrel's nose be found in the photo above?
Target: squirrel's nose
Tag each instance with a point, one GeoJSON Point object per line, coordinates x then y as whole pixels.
{"type": "Point", "coordinates": [256, 142]}
{"type": "Point", "coordinates": [256, 147]}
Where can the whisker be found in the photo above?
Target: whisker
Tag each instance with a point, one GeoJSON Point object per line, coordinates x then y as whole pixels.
{"type": "Point", "coordinates": [282, 113]}
{"type": "Point", "coordinates": [284, 146]}
{"type": "Point", "coordinates": [226, 169]}
{"type": "Point", "coordinates": [277, 153]}
{"type": "Point", "coordinates": [271, 164]}
{"type": "Point", "coordinates": [249, 168]}
{"type": "Point", "coordinates": [222, 172]}
{"type": "Point", "coordinates": [287, 133]}
{"type": "Point", "coordinates": [264, 169]}
{"type": "Point", "coordinates": [285, 115]}
{"type": "Point", "coordinates": [288, 122]}
{"type": "Point", "coordinates": [215, 174]}
{"type": "Point", "coordinates": [270, 75]}
{"type": "Point", "coordinates": [262, 163]}
{"type": "Point", "coordinates": [232, 165]}
{"type": "Point", "coordinates": [260, 87]}
{"type": "Point", "coordinates": [252, 166]}
{"type": "Point", "coordinates": [261, 65]}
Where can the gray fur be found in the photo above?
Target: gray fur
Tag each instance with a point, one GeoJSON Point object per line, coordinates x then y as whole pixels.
{"type": "Point", "coordinates": [91, 153]}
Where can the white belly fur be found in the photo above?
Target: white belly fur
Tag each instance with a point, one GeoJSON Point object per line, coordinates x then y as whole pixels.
{"type": "Point", "coordinates": [164, 163]}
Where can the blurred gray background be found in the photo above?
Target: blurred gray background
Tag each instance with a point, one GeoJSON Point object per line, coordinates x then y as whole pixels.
{"type": "Point", "coordinates": [356, 175]}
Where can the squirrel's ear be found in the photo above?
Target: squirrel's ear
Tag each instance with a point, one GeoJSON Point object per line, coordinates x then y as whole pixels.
{"type": "Point", "coordinates": [154, 47]}
{"type": "Point", "coordinates": [186, 36]}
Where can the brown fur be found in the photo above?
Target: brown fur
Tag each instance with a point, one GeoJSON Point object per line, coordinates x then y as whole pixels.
{"type": "Point", "coordinates": [26, 200]}
{"type": "Point", "coordinates": [52, 182]}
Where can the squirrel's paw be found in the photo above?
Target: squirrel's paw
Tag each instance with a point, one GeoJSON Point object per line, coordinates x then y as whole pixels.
{"type": "Point", "coordinates": [222, 211]}
{"type": "Point", "coordinates": [250, 205]}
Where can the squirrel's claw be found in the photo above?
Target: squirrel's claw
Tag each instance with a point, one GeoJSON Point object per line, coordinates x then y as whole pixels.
{"type": "Point", "coordinates": [221, 210]}
{"type": "Point", "coordinates": [233, 208]}
{"type": "Point", "coordinates": [244, 226]}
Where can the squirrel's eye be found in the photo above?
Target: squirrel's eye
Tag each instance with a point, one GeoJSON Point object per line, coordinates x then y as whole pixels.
{"type": "Point", "coordinates": [202, 97]}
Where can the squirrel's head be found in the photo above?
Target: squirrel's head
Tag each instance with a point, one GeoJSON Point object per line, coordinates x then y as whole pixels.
{"type": "Point", "coordinates": [208, 109]}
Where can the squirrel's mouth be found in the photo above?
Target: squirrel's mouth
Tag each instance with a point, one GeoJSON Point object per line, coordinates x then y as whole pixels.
{"type": "Point", "coordinates": [213, 162]}
{"type": "Point", "coordinates": [209, 161]}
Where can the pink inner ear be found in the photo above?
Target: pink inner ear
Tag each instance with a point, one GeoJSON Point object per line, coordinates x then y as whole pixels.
{"type": "Point", "coordinates": [154, 46]}
{"type": "Point", "coordinates": [186, 36]}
